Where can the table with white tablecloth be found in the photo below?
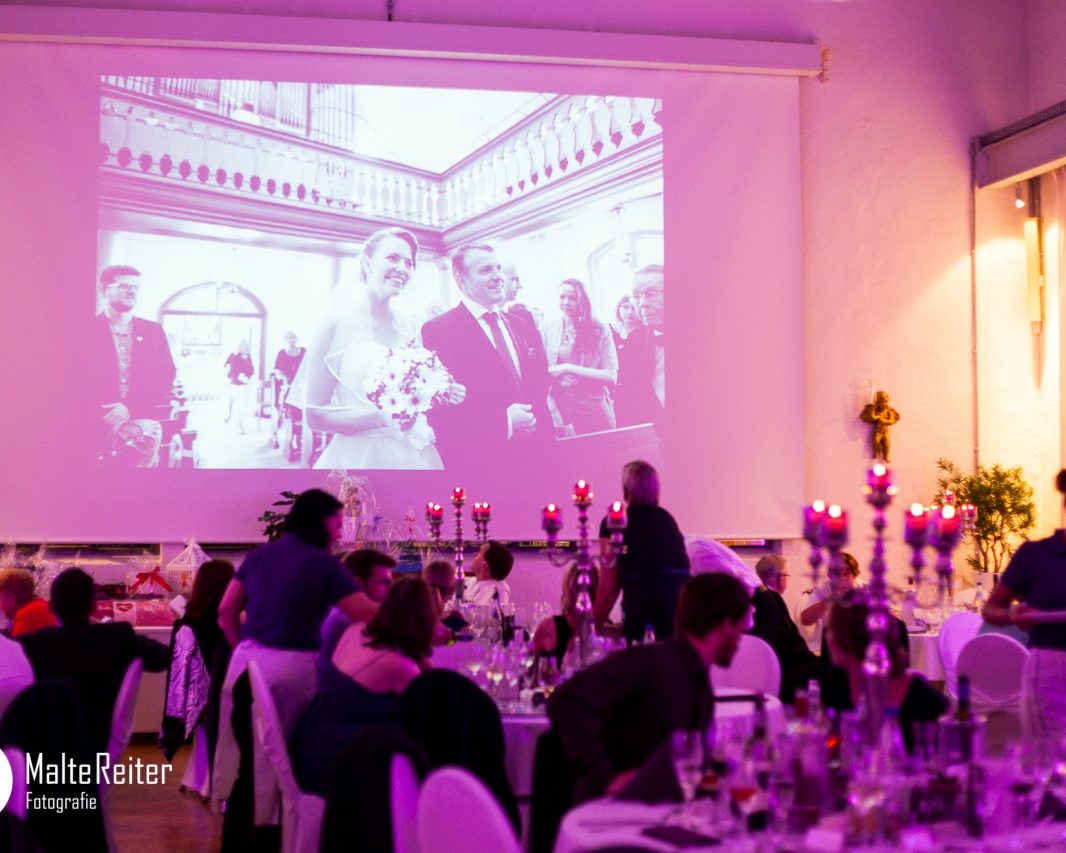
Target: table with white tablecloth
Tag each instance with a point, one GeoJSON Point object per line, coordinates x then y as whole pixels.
{"type": "Point", "coordinates": [925, 654]}
{"type": "Point", "coordinates": [610, 824]}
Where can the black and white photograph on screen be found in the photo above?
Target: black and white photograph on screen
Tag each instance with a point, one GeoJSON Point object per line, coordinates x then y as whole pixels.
{"type": "Point", "coordinates": [306, 275]}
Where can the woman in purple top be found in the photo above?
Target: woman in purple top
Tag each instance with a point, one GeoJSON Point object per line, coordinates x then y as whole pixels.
{"type": "Point", "coordinates": [1036, 579]}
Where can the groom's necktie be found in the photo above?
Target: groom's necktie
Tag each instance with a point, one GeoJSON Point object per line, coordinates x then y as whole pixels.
{"type": "Point", "coordinates": [493, 319]}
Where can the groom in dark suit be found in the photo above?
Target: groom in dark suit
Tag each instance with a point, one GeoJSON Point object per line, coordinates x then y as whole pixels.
{"type": "Point", "coordinates": [500, 359]}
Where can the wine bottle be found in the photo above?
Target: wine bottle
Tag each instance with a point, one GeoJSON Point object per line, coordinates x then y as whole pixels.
{"type": "Point", "coordinates": [965, 728]}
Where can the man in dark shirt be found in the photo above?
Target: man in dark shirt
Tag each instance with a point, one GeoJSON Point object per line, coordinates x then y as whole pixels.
{"type": "Point", "coordinates": [612, 717]}
{"type": "Point", "coordinates": [92, 658]}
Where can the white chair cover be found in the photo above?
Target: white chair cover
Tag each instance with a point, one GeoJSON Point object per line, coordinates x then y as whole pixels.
{"type": "Point", "coordinates": [404, 798]}
{"type": "Point", "coordinates": [955, 633]}
{"type": "Point", "coordinates": [16, 803]}
{"type": "Point", "coordinates": [121, 731]}
{"type": "Point", "coordinates": [755, 668]}
{"type": "Point", "coordinates": [709, 555]}
{"type": "Point", "coordinates": [964, 597]}
{"type": "Point", "coordinates": [292, 680]}
{"type": "Point", "coordinates": [301, 813]}
{"type": "Point", "coordinates": [197, 776]}
{"type": "Point", "coordinates": [457, 812]}
{"type": "Point", "coordinates": [994, 663]}
{"type": "Point", "coordinates": [122, 716]}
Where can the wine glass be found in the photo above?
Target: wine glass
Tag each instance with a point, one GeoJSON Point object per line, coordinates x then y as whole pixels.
{"type": "Point", "coordinates": [687, 753]}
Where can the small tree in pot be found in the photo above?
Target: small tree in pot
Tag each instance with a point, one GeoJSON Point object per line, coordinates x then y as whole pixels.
{"type": "Point", "coordinates": [1005, 510]}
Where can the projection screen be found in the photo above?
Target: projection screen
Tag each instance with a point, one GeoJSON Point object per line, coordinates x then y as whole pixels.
{"type": "Point", "coordinates": [236, 272]}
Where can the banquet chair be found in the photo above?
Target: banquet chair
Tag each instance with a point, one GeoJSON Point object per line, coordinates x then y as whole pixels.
{"type": "Point", "coordinates": [964, 597]}
{"type": "Point", "coordinates": [121, 732]}
{"type": "Point", "coordinates": [16, 804]}
{"type": "Point", "coordinates": [403, 783]}
{"type": "Point", "coordinates": [755, 668]}
{"type": "Point", "coordinates": [955, 633]}
{"type": "Point", "coordinates": [994, 664]}
{"type": "Point", "coordinates": [457, 812]}
{"type": "Point", "coordinates": [301, 813]}
{"type": "Point", "coordinates": [197, 776]}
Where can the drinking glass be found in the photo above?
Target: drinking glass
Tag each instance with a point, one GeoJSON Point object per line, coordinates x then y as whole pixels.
{"type": "Point", "coordinates": [687, 753]}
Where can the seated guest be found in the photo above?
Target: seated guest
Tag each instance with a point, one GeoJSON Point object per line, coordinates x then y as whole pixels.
{"type": "Point", "coordinates": [555, 636]}
{"type": "Point", "coordinates": [372, 665]}
{"type": "Point", "coordinates": [653, 566]}
{"type": "Point", "coordinates": [491, 567]}
{"type": "Point", "coordinates": [774, 624]}
{"type": "Point", "coordinates": [373, 571]}
{"type": "Point", "coordinates": [198, 657]}
{"type": "Point", "coordinates": [611, 717]}
{"type": "Point", "coordinates": [839, 581]}
{"type": "Point", "coordinates": [92, 658]}
{"type": "Point", "coordinates": [440, 575]}
{"type": "Point", "coordinates": [15, 671]}
{"type": "Point", "coordinates": [844, 682]}
{"type": "Point", "coordinates": [18, 599]}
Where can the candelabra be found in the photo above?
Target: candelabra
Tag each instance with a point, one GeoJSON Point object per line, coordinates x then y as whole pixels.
{"type": "Point", "coordinates": [879, 493]}
{"type": "Point", "coordinates": [940, 529]}
{"type": "Point", "coordinates": [552, 522]}
{"type": "Point", "coordinates": [481, 516]}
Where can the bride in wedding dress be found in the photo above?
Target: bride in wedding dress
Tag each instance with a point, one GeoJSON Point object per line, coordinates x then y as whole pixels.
{"type": "Point", "coordinates": [360, 336]}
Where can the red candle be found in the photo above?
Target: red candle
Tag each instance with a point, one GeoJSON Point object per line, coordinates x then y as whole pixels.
{"type": "Point", "coordinates": [486, 509]}
{"type": "Point", "coordinates": [582, 491]}
{"type": "Point", "coordinates": [551, 519]}
{"type": "Point", "coordinates": [835, 527]}
{"type": "Point", "coordinates": [813, 516]}
{"type": "Point", "coordinates": [458, 495]}
{"type": "Point", "coordinates": [616, 516]}
{"type": "Point", "coordinates": [429, 511]}
{"type": "Point", "coordinates": [916, 523]}
{"type": "Point", "coordinates": [949, 497]}
{"type": "Point", "coordinates": [878, 477]}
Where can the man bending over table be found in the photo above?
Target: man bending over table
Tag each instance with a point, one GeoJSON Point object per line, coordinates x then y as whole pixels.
{"type": "Point", "coordinates": [614, 715]}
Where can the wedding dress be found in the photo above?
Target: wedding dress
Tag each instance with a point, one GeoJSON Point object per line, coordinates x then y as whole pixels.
{"type": "Point", "coordinates": [353, 358]}
{"type": "Point", "coordinates": [380, 448]}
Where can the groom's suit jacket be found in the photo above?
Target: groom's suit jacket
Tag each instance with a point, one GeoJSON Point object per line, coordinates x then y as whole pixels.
{"type": "Point", "coordinates": [476, 430]}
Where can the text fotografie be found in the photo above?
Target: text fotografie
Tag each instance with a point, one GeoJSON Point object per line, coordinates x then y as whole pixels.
{"type": "Point", "coordinates": [102, 771]}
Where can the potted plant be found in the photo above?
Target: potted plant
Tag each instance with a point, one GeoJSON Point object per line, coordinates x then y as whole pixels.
{"type": "Point", "coordinates": [1005, 512]}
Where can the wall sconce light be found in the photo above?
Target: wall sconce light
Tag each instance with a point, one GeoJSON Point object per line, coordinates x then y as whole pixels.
{"type": "Point", "coordinates": [1019, 199]}
{"type": "Point", "coordinates": [1034, 258]}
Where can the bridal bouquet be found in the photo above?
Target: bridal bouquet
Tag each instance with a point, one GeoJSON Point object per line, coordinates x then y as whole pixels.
{"type": "Point", "coordinates": [406, 384]}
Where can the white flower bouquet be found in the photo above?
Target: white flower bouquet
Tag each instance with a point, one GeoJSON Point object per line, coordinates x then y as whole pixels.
{"type": "Point", "coordinates": [407, 383]}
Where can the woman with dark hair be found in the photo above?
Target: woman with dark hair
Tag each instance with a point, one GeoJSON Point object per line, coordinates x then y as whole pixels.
{"type": "Point", "coordinates": [844, 683]}
{"type": "Point", "coordinates": [582, 363]}
{"type": "Point", "coordinates": [361, 334]}
{"type": "Point", "coordinates": [1036, 579]}
{"type": "Point", "coordinates": [654, 563]}
{"type": "Point", "coordinates": [198, 656]}
{"type": "Point", "coordinates": [554, 636]}
{"type": "Point", "coordinates": [372, 665]}
{"type": "Point", "coordinates": [284, 590]}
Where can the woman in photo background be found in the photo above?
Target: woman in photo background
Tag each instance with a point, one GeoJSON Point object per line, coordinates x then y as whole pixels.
{"type": "Point", "coordinates": [361, 332]}
{"type": "Point", "coordinates": [239, 372]}
{"type": "Point", "coordinates": [582, 363]}
{"type": "Point", "coordinates": [626, 319]}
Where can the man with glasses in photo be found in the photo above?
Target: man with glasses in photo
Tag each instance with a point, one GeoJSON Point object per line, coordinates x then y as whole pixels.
{"type": "Point", "coordinates": [641, 392]}
{"type": "Point", "coordinates": [132, 372]}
